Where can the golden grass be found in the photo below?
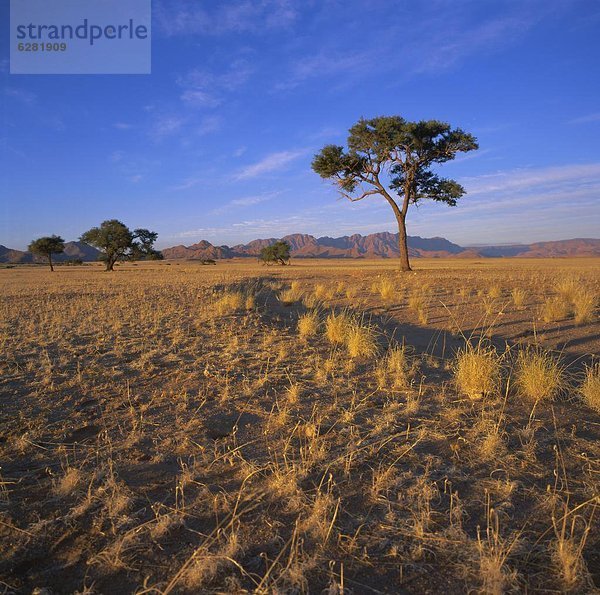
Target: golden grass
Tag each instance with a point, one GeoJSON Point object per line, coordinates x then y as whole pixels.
{"type": "Point", "coordinates": [585, 303]}
{"type": "Point", "coordinates": [554, 309]}
{"type": "Point", "coordinates": [337, 326]}
{"type": "Point", "coordinates": [590, 388]}
{"type": "Point", "coordinates": [194, 432]}
{"type": "Point", "coordinates": [538, 374]}
{"type": "Point", "coordinates": [519, 297]}
{"type": "Point", "coordinates": [361, 340]}
{"type": "Point", "coordinates": [478, 371]}
{"type": "Point", "coordinates": [308, 324]}
{"type": "Point", "coordinates": [229, 302]}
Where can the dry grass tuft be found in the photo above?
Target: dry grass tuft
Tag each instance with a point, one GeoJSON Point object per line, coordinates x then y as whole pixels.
{"type": "Point", "coordinates": [308, 324]}
{"type": "Point", "coordinates": [361, 340]}
{"type": "Point", "coordinates": [590, 389]}
{"type": "Point", "coordinates": [585, 303]}
{"type": "Point", "coordinates": [229, 302]}
{"type": "Point", "coordinates": [386, 288]}
{"type": "Point", "coordinates": [395, 369]}
{"type": "Point", "coordinates": [538, 374]}
{"type": "Point", "coordinates": [336, 327]}
{"type": "Point", "coordinates": [554, 309]}
{"type": "Point", "coordinates": [519, 297]}
{"type": "Point", "coordinates": [478, 371]}
{"type": "Point", "coordinates": [291, 295]}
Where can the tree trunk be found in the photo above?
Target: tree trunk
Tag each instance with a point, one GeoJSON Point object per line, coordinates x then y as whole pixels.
{"type": "Point", "coordinates": [403, 244]}
{"type": "Point", "coordinates": [50, 262]}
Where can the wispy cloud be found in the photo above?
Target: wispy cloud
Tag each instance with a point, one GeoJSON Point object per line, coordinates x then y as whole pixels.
{"type": "Point", "coordinates": [204, 89]}
{"type": "Point", "coordinates": [523, 179]}
{"type": "Point", "coordinates": [590, 118]}
{"type": "Point", "coordinates": [164, 126]}
{"type": "Point", "coordinates": [189, 17]}
{"type": "Point", "coordinates": [245, 201]}
{"type": "Point", "coordinates": [122, 126]}
{"type": "Point", "coordinates": [272, 162]}
{"type": "Point", "coordinates": [21, 95]}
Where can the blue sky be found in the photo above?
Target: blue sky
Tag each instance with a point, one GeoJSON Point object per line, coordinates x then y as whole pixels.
{"type": "Point", "coordinates": [217, 142]}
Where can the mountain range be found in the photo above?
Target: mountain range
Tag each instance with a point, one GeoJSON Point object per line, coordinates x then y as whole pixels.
{"type": "Point", "coordinates": [385, 245]}
{"type": "Point", "coordinates": [376, 245]}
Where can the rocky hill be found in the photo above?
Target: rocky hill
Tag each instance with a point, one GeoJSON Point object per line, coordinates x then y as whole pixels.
{"type": "Point", "coordinates": [73, 251]}
{"type": "Point", "coordinates": [385, 245]}
{"type": "Point", "coordinates": [376, 245]}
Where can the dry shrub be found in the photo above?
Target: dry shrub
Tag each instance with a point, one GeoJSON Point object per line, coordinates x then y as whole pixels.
{"type": "Point", "coordinates": [554, 309]}
{"type": "Point", "coordinates": [288, 296]}
{"type": "Point", "coordinates": [351, 292]}
{"type": "Point", "coordinates": [568, 288]}
{"type": "Point", "coordinates": [229, 302]}
{"type": "Point", "coordinates": [69, 482]}
{"type": "Point", "coordinates": [495, 292]}
{"type": "Point", "coordinates": [361, 340]}
{"type": "Point", "coordinates": [478, 371]}
{"type": "Point", "coordinates": [394, 370]}
{"type": "Point", "coordinates": [336, 327]}
{"type": "Point", "coordinates": [584, 303]}
{"type": "Point", "coordinates": [386, 288]}
{"type": "Point", "coordinates": [538, 374]}
{"type": "Point", "coordinates": [308, 324]}
{"type": "Point", "coordinates": [322, 292]}
{"type": "Point", "coordinates": [590, 389]}
{"type": "Point", "coordinates": [519, 296]}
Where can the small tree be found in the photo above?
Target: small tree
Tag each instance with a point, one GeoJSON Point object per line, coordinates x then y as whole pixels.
{"type": "Point", "coordinates": [142, 247]}
{"type": "Point", "coordinates": [392, 157]}
{"type": "Point", "coordinates": [112, 238]}
{"type": "Point", "coordinates": [277, 253]}
{"type": "Point", "coordinates": [47, 246]}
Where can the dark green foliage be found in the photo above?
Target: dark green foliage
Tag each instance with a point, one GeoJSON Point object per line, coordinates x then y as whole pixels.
{"type": "Point", "coordinates": [277, 253]}
{"type": "Point", "coordinates": [47, 246]}
{"type": "Point", "coordinates": [112, 238]}
{"type": "Point", "coordinates": [142, 248]}
{"type": "Point", "coordinates": [116, 241]}
{"type": "Point", "coordinates": [392, 157]}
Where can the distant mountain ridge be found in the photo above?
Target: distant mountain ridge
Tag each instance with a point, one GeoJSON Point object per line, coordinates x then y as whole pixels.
{"type": "Point", "coordinates": [73, 251]}
{"type": "Point", "coordinates": [375, 245]}
{"type": "Point", "coordinates": [385, 245]}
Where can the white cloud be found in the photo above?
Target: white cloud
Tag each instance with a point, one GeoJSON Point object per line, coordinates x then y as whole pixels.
{"type": "Point", "coordinates": [189, 17]}
{"type": "Point", "coordinates": [272, 162]}
{"type": "Point", "coordinates": [166, 126]}
{"type": "Point", "coordinates": [522, 179]}
{"type": "Point", "coordinates": [21, 95]}
{"type": "Point", "coordinates": [204, 89]}
{"type": "Point", "coordinates": [245, 201]}
{"type": "Point", "coordinates": [198, 98]}
{"type": "Point", "coordinates": [208, 125]}
{"type": "Point", "coordinates": [590, 118]}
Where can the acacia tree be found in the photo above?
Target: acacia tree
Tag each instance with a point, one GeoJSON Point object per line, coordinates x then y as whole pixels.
{"type": "Point", "coordinates": [47, 246]}
{"type": "Point", "coordinates": [142, 247]}
{"type": "Point", "coordinates": [279, 252]}
{"type": "Point", "coordinates": [112, 238]}
{"type": "Point", "coordinates": [392, 157]}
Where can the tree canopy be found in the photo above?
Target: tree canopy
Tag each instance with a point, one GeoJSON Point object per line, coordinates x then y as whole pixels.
{"type": "Point", "coordinates": [47, 246]}
{"type": "Point", "coordinates": [277, 253]}
{"type": "Point", "coordinates": [116, 241]}
{"type": "Point", "coordinates": [392, 157]}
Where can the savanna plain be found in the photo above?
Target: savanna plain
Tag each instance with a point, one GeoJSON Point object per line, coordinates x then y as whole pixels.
{"type": "Point", "coordinates": [324, 427]}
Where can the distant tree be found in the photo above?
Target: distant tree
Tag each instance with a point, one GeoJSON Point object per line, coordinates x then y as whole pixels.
{"type": "Point", "coordinates": [113, 239]}
{"type": "Point", "coordinates": [277, 253]}
{"type": "Point", "coordinates": [142, 247]}
{"type": "Point", "coordinates": [47, 246]}
{"type": "Point", "coordinates": [392, 157]}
